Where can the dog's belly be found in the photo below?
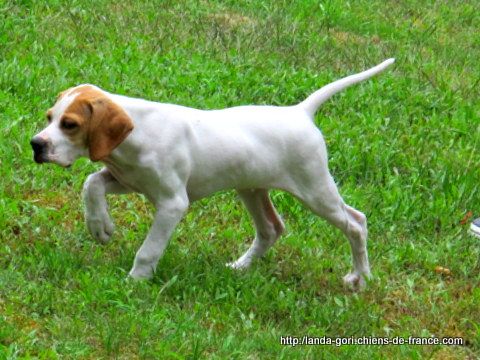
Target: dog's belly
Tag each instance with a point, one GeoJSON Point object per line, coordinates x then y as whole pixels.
{"type": "Point", "coordinates": [241, 177]}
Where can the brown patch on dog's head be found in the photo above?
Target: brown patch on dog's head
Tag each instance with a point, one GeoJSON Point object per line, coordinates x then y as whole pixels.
{"type": "Point", "coordinates": [49, 115]}
{"type": "Point", "coordinates": [94, 120]}
{"type": "Point", "coordinates": [62, 94]}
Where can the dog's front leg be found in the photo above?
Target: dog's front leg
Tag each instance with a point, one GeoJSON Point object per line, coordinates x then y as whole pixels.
{"type": "Point", "coordinates": [169, 212]}
{"type": "Point", "coordinates": [95, 188]}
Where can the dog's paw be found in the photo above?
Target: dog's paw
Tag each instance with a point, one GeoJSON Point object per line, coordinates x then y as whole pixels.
{"type": "Point", "coordinates": [100, 227]}
{"type": "Point", "coordinates": [355, 282]}
{"type": "Point", "coordinates": [141, 273]}
{"type": "Point", "coordinates": [238, 265]}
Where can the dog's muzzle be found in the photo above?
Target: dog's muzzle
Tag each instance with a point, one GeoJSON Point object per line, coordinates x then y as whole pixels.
{"type": "Point", "coordinates": [39, 146]}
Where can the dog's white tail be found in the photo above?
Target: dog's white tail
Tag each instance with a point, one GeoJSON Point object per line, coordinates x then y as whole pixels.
{"type": "Point", "coordinates": [313, 102]}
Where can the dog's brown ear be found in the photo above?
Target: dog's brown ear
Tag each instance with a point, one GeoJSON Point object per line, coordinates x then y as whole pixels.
{"type": "Point", "coordinates": [109, 126]}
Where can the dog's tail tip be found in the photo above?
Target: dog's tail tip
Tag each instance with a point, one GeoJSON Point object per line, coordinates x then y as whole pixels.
{"type": "Point", "coordinates": [389, 62]}
{"type": "Point", "coordinates": [383, 65]}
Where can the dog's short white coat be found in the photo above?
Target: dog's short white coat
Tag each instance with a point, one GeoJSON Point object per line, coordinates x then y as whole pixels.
{"type": "Point", "coordinates": [176, 155]}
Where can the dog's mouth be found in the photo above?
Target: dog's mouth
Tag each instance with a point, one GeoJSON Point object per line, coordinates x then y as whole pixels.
{"type": "Point", "coordinates": [40, 158]}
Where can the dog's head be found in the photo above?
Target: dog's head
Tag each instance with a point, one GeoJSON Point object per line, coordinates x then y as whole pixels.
{"type": "Point", "coordinates": [84, 121]}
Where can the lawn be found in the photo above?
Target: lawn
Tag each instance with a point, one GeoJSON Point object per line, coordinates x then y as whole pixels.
{"type": "Point", "coordinates": [403, 148]}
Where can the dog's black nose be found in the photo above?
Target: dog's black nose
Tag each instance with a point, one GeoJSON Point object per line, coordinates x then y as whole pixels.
{"type": "Point", "coordinates": [39, 146]}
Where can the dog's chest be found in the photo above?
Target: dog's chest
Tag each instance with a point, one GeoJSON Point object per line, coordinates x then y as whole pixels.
{"type": "Point", "coordinates": [126, 177]}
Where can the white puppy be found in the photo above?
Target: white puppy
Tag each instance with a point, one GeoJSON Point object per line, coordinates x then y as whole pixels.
{"type": "Point", "coordinates": [175, 155]}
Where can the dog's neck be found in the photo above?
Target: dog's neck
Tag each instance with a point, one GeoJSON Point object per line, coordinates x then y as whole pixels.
{"type": "Point", "coordinates": [129, 149]}
{"type": "Point", "coordinates": [125, 160]}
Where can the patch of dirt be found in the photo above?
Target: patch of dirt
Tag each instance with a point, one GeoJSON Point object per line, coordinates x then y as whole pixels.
{"type": "Point", "coordinates": [347, 37]}
{"type": "Point", "coordinates": [230, 20]}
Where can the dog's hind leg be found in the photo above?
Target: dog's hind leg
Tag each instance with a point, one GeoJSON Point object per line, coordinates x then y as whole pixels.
{"type": "Point", "coordinates": [267, 222]}
{"type": "Point", "coordinates": [321, 195]}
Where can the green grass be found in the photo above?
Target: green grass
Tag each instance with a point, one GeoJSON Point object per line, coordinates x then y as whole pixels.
{"type": "Point", "coordinates": [403, 147]}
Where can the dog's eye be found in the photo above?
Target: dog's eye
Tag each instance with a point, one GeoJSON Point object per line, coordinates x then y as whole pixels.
{"type": "Point", "coordinates": [68, 124]}
{"type": "Point", "coordinates": [49, 118]}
